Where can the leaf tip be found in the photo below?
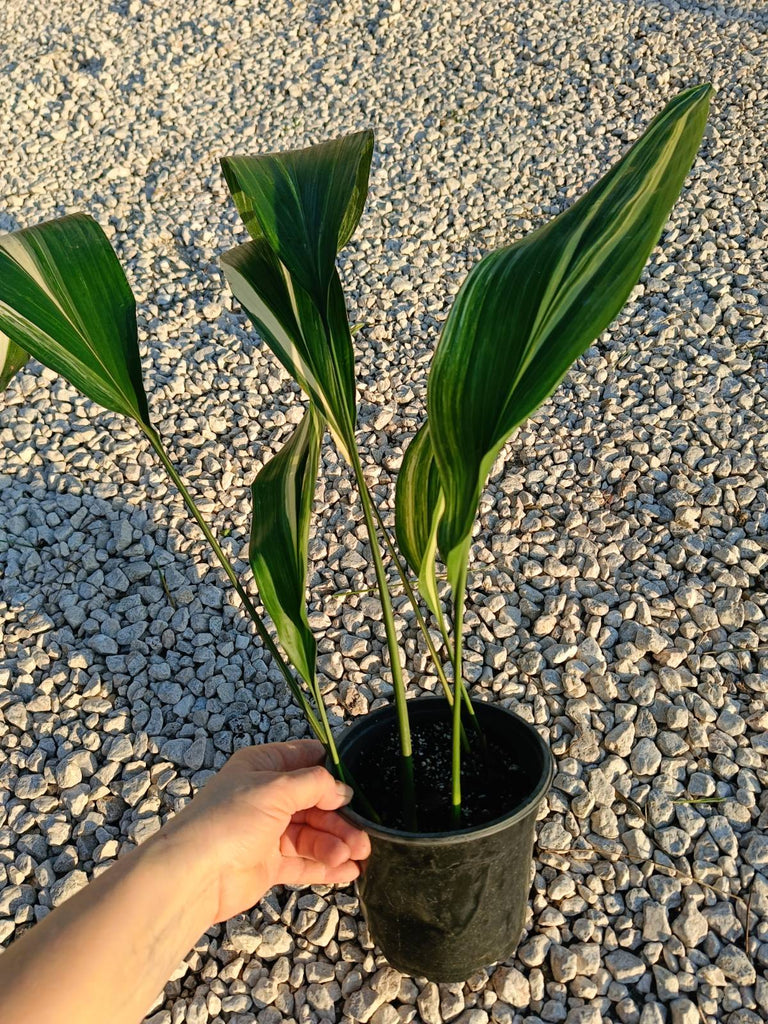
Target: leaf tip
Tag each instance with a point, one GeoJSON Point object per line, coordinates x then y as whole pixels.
{"type": "Point", "coordinates": [696, 94]}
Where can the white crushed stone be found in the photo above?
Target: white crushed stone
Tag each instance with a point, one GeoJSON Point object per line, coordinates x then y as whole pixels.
{"type": "Point", "coordinates": [619, 591]}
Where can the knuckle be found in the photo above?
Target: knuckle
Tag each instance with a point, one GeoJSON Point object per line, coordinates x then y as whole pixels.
{"type": "Point", "coordinates": [318, 774]}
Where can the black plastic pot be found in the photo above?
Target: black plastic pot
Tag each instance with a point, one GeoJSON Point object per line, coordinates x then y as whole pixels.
{"type": "Point", "coordinates": [444, 904]}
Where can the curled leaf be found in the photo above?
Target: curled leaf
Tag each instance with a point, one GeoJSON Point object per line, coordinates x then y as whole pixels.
{"type": "Point", "coordinates": [315, 349]}
{"type": "Point", "coordinates": [282, 496]}
{"type": "Point", "coordinates": [418, 506]}
{"type": "Point", "coordinates": [305, 203]}
{"type": "Point", "coordinates": [64, 299]}
{"type": "Point", "coordinates": [12, 358]}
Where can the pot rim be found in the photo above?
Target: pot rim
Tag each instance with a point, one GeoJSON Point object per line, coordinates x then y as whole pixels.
{"type": "Point", "coordinates": [522, 810]}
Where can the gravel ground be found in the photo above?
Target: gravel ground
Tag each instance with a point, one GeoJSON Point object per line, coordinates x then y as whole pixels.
{"type": "Point", "coordinates": [619, 592]}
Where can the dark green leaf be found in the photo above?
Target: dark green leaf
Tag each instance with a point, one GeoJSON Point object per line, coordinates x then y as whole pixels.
{"type": "Point", "coordinates": [418, 506]}
{"type": "Point", "coordinates": [12, 358]}
{"type": "Point", "coordinates": [315, 349]}
{"type": "Point", "coordinates": [282, 504]}
{"type": "Point", "coordinates": [304, 203]}
{"type": "Point", "coordinates": [64, 298]}
{"type": "Point", "coordinates": [526, 312]}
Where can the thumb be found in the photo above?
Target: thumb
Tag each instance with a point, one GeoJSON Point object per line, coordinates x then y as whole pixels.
{"type": "Point", "coordinates": [313, 787]}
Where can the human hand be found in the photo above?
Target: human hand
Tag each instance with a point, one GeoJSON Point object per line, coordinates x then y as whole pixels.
{"type": "Point", "coordinates": [266, 818]}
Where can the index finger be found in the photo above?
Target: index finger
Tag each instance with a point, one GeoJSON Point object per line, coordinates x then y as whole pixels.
{"type": "Point", "coordinates": [329, 821]}
{"type": "Point", "coordinates": [283, 757]}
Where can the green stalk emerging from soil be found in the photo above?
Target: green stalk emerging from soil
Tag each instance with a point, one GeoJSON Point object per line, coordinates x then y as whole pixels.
{"type": "Point", "coordinates": [403, 573]}
{"type": "Point", "coordinates": [458, 622]}
{"type": "Point", "coordinates": [406, 751]}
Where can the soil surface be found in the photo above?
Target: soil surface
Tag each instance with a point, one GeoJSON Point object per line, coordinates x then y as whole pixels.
{"type": "Point", "coordinates": [493, 783]}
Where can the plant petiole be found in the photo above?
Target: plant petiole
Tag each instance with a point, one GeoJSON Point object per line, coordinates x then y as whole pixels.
{"type": "Point", "coordinates": [261, 629]}
{"type": "Point", "coordinates": [408, 587]}
{"type": "Point", "coordinates": [406, 773]}
{"type": "Point", "coordinates": [459, 598]}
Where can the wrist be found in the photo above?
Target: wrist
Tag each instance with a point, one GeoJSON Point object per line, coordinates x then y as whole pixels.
{"type": "Point", "coordinates": [182, 869]}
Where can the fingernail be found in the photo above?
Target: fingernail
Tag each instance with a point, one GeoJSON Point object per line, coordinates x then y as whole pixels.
{"type": "Point", "coordinates": [344, 790]}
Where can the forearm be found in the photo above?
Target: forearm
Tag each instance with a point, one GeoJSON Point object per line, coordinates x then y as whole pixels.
{"type": "Point", "coordinates": [107, 952]}
{"type": "Point", "coordinates": [267, 817]}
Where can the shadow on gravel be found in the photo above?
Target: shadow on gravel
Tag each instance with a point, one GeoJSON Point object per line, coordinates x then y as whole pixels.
{"type": "Point", "coordinates": [723, 15]}
{"type": "Point", "coordinates": [84, 571]}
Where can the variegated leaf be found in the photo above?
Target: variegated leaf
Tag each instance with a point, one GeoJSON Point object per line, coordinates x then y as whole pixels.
{"type": "Point", "coordinates": [305, 203]}
{"type": "Point", "coordinates": [282, 504]}
{"type": "Point", "coordinates": [316, 350]}
{"type": "Point", "coordinates": [418, 506]}
{"type": "Point", "coordinates": [301, 207]}
{"type": "Point", "coordinates": [526, 312]}
{"type": "Point", "coordinates": [65, 300]}
{"type": "Point", "coordinates": [12, 358]}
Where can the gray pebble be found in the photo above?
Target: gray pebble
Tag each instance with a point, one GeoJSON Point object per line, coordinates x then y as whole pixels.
{"type": "Point", "coordinates": [736, 966]}
{"type": "Point", "coordinates": [275, 941]}
{"type": "Point", "coordinates": [66, 887]}
{"type": "Point", "coordinates": [625, 966]}
{"type": "Point", "coordinates": [103, 644]}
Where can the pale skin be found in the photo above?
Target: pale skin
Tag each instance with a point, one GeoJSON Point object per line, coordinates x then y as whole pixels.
{"type": "Point", "coordinates": [267, 818]}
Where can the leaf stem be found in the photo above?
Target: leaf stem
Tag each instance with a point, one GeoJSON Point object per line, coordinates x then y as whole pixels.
{"type": "Point", "coordinates": [402, 572]}
{"type": "Point", "coordinates": [459, 598]}
{"type": "Point", "coordinates": [261, 628]}
{"type": "Point", "coordinates": [386, 604]}
{"type": "Point", "coordinates": [392, 644]}
{"type": "Point", "coordinates": [331, 744]}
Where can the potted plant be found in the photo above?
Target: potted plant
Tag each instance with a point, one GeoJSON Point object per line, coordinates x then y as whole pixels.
{"type": "Point", "coordinates": [447, 788]}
